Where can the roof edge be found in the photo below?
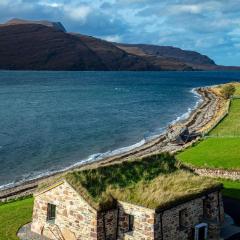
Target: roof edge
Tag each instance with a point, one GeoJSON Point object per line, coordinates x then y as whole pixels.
{"type": "Point", "coordinates": [180, 201]}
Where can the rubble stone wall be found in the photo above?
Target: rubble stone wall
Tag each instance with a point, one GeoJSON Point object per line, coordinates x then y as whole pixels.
{"type": "Point", "coordinates": [75, 219]}
{"type": "Point", "coordinates": [143, 227]}
{"type": "Point", "coordinates": [207, 209]}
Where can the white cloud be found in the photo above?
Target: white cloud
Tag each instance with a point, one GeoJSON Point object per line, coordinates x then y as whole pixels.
{"type": "Point", "coordinates": [112, 38]}
{"type": "Point", "coordinates": [51, 4]}
{"type": "Point", "coordinates": [234, 33]}
{"type": "Point", "coordinates": [190, 8]}
{"type": "Point", "coordinates": [77, 13]}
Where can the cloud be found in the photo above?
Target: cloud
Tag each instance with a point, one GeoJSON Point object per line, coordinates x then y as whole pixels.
{"type": "Point", "coordinates": [208, 26]}
{"type": "Point", "coordinates": [113, 38]}
{"type": "Point", "coordinates": [190, 8]}
{"type": "Point", "coordinates": [77, 13]}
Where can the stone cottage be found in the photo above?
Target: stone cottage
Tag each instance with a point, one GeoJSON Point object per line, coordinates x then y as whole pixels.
{"type": "Point", "coordinates": [136, 200]}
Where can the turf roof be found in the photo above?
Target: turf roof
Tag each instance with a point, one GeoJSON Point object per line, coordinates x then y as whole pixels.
{"type": "Point", "coordinates": [154, 182]}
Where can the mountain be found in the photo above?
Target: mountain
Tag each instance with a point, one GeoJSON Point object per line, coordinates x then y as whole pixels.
{"type": "Point", "coordinates": [167, 52]}
{"type": "Point", "coordinates": [17, 21]}
{"type": "Point", "coordinates": [38, 47]}
{"type": "Point", "coordinates": [44, 45]}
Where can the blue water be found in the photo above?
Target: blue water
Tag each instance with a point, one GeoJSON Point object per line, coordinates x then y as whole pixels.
{"type": "Point", "coordinates": [52, 120]}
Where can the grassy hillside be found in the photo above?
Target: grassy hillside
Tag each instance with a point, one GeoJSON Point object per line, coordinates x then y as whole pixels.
{"type": "Point", "coordinates": [230, 126]}
{"type": "Point", "coordinates": [221, 153]}
{"type": "Point", "coordinates": [221, 149]}
{"type": "Point", "coordinates": [13, 216]}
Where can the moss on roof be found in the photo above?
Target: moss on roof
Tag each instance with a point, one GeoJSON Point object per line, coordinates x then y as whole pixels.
{"type": "Point", "coordinates": [154, 182]}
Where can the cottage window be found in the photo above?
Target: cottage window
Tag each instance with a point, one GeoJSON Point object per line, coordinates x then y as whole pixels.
{"type": "Point", "coordinates": [201, 231]}
{"type": "Point", "coordinates": [51, 212]}
{"type": "Point", "coordinates": [183, 218]}
{"type": "Point", "coordinates": [130, 223]}
{"type": "Point", "coordinates": [206, 208]}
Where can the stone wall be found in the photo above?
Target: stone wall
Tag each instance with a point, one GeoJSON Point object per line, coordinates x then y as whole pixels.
{"type": "Point", "coordinates": [167, 223]}
{"type": "Point", "coordinates": [143, 227]}
{"type": "Point", "coordinates": [75, 219]}
{"type": "Point", "coordinates": [107, 225]}
{"type": "Point", "coordinates": [218, 173]}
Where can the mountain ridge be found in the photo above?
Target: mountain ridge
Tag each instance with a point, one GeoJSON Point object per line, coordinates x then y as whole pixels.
{"type": "Point", "coordinates": [45, 45]}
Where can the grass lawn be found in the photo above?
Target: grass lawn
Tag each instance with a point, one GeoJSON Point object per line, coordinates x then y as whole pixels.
{"type": "Point", "coordinates": [230, 126]}
{"type": "Point", "coordinates": [222, 148]}
{"type": "Point", "coordinates": [213, 153]}
{"type": "Point", "coordinates": [231, 188]}
{"type": "Point", "coordinates": [14, 215]}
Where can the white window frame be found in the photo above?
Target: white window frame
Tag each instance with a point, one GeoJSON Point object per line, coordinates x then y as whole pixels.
{"type": "Point", "coordinates": [197, 227]}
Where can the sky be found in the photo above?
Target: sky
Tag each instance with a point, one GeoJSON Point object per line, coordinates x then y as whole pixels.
{"type": "Point", "coordinates": [211, 27]}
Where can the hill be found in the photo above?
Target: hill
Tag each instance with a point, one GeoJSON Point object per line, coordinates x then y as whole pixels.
{"type": "Point", "coordinates": [38, 47]}
{"type": "Point", "coordinates": [193, 59]}
{"type": "Point", "coordinates": [44, 45]}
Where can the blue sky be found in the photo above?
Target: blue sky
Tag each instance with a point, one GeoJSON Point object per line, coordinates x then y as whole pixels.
{"type": "Point", "coordinates": [211, 27]}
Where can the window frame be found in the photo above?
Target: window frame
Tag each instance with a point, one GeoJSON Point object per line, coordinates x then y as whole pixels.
{"type": "Point", "coordinates": [182, 214]}
{"type": "Point", "coordinates": [130, 222]}
{"type": "Point", "coordinates": [51, 212]}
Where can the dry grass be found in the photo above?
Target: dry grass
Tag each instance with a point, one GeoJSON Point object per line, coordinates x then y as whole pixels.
{"type": "Point", "coordinates": [164, 190]}
{"type": "Point", "coordinates": [218, 89]}
{"type": "Point", "coordinates": [152, 182]}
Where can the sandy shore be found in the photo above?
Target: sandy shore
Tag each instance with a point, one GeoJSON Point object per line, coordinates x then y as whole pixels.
{"type": "Point", "coordinates": [200, 120]}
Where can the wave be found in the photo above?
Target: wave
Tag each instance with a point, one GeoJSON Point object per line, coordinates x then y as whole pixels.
{"type": "Point", "coordinates": [187, 114]}
{"type": "Point", "coordinates": [99, 156]}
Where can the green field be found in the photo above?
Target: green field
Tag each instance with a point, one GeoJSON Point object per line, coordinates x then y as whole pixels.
{"type": "Point", "coordinates": [13, 216]}
{"type": "Point", "coordinates": [221, 153]}
{"type": "Point", "coordinates": [231, 188]}
{"type": "Point", "coordinates": [230, 126]}
{"type": "Point", "coordinates": [221, 149]}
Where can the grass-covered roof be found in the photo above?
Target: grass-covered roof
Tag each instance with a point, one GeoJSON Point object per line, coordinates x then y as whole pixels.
{"type": "Point", "coordinates": [154, 182]}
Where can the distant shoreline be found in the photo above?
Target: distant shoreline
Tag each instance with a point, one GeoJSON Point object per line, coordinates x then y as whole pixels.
{"type": "Point", "coordinates": [195, 122]}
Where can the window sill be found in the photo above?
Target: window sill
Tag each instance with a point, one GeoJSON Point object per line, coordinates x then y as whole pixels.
{"type": "Point", "coordinates": [51, 222]}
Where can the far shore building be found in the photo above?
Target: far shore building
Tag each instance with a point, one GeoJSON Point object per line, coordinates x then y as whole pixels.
{"type": "Point", "coordinates": [136, 200]}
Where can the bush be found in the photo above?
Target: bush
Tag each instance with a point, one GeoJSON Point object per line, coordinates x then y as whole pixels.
{"type": "Point", "coordinates": [228, 90]}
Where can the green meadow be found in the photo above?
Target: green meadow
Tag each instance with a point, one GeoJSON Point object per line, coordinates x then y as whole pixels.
{"type": "Point", "coordinates": [221, 148]}
{"type": "Point", "coordinates": [230, 126]}
{"type": "Point", "coordinates": [223, 153]}
{"type": "Point", "coordinates": [12, 216]}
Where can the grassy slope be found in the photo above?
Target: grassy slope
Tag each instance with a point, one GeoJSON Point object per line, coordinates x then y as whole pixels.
{"type": "Point", "coordinates": [222, 151]}
{"type": "Point", "coordinates": [230, 126]}
{"type": "Point", "coordinates": [14, 215]}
